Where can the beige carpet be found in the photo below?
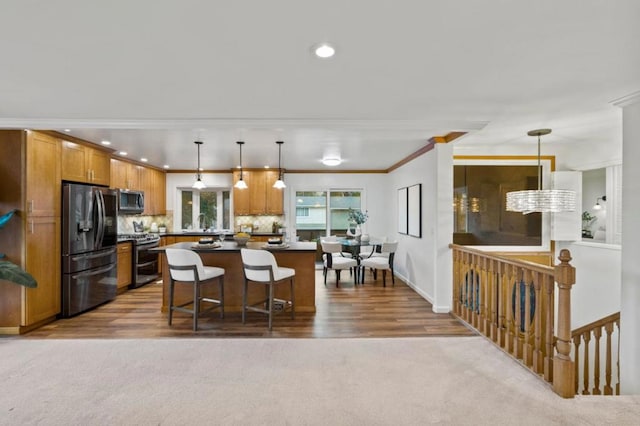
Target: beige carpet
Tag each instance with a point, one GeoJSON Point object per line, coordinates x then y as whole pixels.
{"type": "Point", "coordinates": [283, 382]}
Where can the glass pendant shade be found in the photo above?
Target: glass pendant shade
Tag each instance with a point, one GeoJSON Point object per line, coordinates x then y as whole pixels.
{"type": "Point", "coordinates": [279, 184]}
{"type": "Point", "coordinates": [241, 184]}
{"type": "Point", "coordinates": [541, 200]}
{"type": "Point", "coordinates": [198, 184]}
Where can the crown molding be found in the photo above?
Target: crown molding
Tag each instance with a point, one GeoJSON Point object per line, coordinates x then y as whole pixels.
{"type": "Point", "coordinates": [627, 100]}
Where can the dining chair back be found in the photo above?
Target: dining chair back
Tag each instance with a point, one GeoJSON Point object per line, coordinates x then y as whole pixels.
{"type": "Point", "coordinates": [383, 262]}
{"type": "Point", "coordinates": [332, 259]}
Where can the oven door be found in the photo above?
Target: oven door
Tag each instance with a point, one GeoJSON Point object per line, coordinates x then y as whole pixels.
{"type": "Point", "coordinates": [145, 263]}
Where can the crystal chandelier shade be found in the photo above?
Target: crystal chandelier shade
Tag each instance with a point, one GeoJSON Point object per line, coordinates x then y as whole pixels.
{"type": "Point", "coordinates": [541, 200]}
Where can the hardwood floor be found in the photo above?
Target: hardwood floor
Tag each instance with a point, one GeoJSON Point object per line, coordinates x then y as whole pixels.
{"type": "Point", "coordinates": [363, 311]}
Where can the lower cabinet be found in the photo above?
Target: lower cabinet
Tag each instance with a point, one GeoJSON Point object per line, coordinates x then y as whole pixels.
{"type": "Point", "coordinates": [125, 263]}
{"type": "Point", "coordinates": [43, 263]}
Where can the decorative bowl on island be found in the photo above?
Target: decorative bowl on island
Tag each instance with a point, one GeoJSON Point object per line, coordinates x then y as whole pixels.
{"type": "Point", "coordinates": [241, 238]}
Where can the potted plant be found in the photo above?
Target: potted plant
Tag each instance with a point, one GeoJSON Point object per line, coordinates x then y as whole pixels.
{"type": "Point", "coordinates": [10, 271]}
{"type": "Point", "coordinates": [162, 228]}
{"type": "Point", "coordinates": [359, 218]}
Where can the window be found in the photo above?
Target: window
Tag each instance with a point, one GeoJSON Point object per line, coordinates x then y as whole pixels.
{"type": "Point", "coordinates": [322, 213]}
{"type": "Point", "coordinates": [204, 209]}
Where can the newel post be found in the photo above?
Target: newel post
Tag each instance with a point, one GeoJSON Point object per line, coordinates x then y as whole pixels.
{"type": "Point", "coordinates": [563, 368]}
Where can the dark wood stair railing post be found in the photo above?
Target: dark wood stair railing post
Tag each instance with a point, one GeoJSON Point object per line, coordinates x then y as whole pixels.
{"type": "Point", "coordinates": [563, 366]}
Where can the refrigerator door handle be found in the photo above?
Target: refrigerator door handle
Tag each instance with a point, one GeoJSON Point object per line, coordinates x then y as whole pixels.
{"type": "Point", "coordinates": [93, 272]}
{"type": "Point", "coordinates": [91, 256]}
{"type": "Point", "coordinates": [101, 219]}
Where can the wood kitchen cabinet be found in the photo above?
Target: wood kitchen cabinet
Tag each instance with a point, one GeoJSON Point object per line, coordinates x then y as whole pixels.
{"type": "Point", "coordinates": [260, 198]}
{"type": "Point", "coordinates": [125, 264]}
{"type": "Point", "coordinates": [82, 163]}
{"type": "Point", "coordinates": [126, 175]}
{"type": "Point", "coordinates": [31, 239]}
{"type": "Point", "coordinates": [155, 192]}
{"type": "Point", "coordinates": [274, 203]}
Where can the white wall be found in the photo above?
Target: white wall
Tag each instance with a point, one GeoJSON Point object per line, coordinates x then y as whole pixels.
{"type": "Point", "coordinates": [415, 259]}
{"type": "Point", "coordinates": [630, 312]}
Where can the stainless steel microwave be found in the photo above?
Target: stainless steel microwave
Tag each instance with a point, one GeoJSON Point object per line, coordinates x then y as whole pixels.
{"type": "Point", "coordinates": [130, 201]}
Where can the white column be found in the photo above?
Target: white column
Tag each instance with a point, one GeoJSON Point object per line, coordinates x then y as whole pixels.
{"type": "Point", "coordinates": [443, 235]}
{"type": "Point", "coordinates": [630, 306]}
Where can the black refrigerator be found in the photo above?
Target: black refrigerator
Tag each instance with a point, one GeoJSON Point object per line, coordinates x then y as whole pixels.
{"type": "Point", "coordinates": [89, 247]}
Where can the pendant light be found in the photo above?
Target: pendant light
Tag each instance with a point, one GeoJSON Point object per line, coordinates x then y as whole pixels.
{"type": "Point", "coordinates": [198, 184]}
{"type": "Point", "coordinates": [279, 183]}
{"type": "Point", "coordinates": [241, 184]}
{"type": "Point", "coordinates": [541, 200]}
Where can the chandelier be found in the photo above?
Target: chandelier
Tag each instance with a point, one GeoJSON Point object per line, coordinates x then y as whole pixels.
{"type": "Point", "coordinates": [541, 200]}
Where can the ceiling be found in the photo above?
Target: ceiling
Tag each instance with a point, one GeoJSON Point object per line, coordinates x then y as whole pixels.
{"type": "Point", "coordinates": [152, 77]}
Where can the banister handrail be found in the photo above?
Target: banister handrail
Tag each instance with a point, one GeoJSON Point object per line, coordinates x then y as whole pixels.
{"type": "Point", "coordinates": [508, 260]}
{"type": "Point", "coordinates": [598, 323]}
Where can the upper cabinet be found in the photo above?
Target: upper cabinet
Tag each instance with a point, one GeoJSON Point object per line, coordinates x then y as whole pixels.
{"type": "Point", "coordinates": [82, 163]}
{"type": "Point", "coordinates": [42, 175]}
{"type": "Point", "coordinates": [126, 175]}
{"type": "Point", "coordinates": [260, 198]}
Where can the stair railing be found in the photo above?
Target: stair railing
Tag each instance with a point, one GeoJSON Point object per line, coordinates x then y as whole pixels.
{"type": "Point", "coordinates": [512, 302]}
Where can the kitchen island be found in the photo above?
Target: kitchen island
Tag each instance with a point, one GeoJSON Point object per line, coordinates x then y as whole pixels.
{"type": "Point", "coordinates": [297, 255]}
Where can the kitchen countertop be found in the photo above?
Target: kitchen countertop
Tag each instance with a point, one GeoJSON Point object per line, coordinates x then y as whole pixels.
{"type": "Point", "coordinates": [231, 246]}
{"type": "Point", "coordinates": [205, 233]}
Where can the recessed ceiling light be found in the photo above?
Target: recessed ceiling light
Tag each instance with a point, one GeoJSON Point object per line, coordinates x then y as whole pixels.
{"type": "Point", "coordinates": [105, 143]}
{"type": "Point", "coordinates": [144, 160]}
{"type": "Point", "coordinates": [331, 161]}
{"type": "Point", "coordinates": [67, 130]}
{"type": "Point", "coordinates": [324, 50]}
{"type": "Point", "coordinates": [166, 166]}
{"type": "Point", "coordinates": [266, 167]}
{"type": "Point", "coordinates": [123, 152]}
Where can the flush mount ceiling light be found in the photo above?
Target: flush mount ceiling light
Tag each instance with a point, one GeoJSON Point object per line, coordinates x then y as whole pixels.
{"type": "Point", "coordinates": [598, 206]}
{"type": "Point", "coordinates": [279, 183]}
{"type": "Point", "coordinates": [198, 184]}
{"type": "Point", "coordinates": [331, 161]}
{"type": "Point", "coordinates": [241, 184]}
{"type": "Point", "coordinates": [324, 50]}
{"type": "Point", "coordinates": [541, 200]}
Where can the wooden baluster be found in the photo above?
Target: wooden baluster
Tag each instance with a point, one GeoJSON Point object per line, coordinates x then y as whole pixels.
{"type": "Point", "coordinates": [527, 349]}
{"type": "Point", "coordinates": [494, 284]}
{"type": "Point", "coordinates": [465, 288]}
{"type": "Point", "coordinates": [577, 339]}
{"type": "Point", "coordinates": [608, 390]}
{"type": "Point", "coordinates": [618, 362]}
{"type": "Point", "coordinates": [502, 320]}
{"type": "Point", "coordinates": [537, 330]}
{"type": "Point", "coordinates": [473, 279]}
{"type": "Point", "coordinates": [563, 369]}
{"type": "Point", "coordinates": [508, 300]}
{"type": "Point", "coordinates": [484, 298]}
{"type": "Point", "coordinates": [456, 282]}
{"type": "Point", "coordinates": [517, 342]}
{"type": "Point", "coordinates": [597, 333]}
{"type": "Point", "coordinates": [549, 326]}
{"type": "Point", "coordinates": [586, 336]}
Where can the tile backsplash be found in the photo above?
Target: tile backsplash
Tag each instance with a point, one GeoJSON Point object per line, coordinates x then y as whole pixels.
{"type": "Point", "coordinates": [125, 223]}
{"type": "Point", "coordinates": [258, 223]}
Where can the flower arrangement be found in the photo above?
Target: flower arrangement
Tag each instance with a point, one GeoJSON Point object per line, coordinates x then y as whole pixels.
{"type": "Point", "coordinates": [357, 216]}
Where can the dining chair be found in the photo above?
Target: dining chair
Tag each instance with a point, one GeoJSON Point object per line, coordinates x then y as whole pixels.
{"type": "Point", "coordinates": [260, 267]}
{"type": "Point", "coordinates": [186, 266]}
{"type": "Point", "coordinates": [337, 263]}
{"type": "Point", "coordinates": [383, 262]}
